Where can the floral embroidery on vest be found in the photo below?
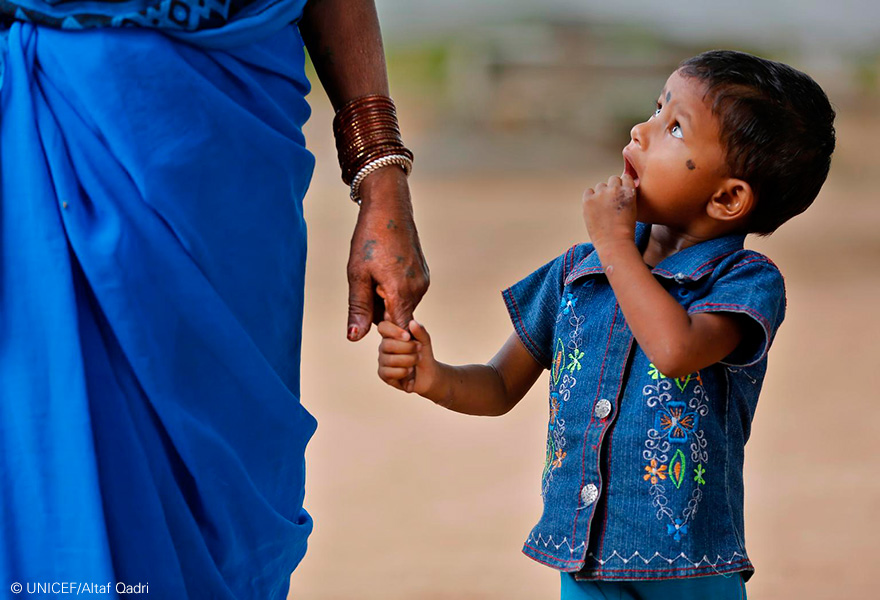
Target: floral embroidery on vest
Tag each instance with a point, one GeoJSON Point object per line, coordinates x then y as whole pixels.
{"type": "Point", "coordinates": [676, 428]}
{"type": "Point", "coordinates": [566, 363]}
{"type": "Point", "coordinates": [558, 361]}
{"type": "Point", "coordinates": [555, 441]}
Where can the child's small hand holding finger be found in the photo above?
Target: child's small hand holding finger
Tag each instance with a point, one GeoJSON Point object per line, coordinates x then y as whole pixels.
{"type": "Point", "coordinates": [610, 210]}
{"type": "Point", "coordinates": [400, 353]}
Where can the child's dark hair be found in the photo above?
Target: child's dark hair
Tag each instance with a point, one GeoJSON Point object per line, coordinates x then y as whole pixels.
{"type": "Point", "coordinates": [777, 127]}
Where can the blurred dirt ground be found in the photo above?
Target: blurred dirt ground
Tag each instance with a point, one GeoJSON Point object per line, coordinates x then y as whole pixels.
{"type": "Point", "coordinates": [414, 502]}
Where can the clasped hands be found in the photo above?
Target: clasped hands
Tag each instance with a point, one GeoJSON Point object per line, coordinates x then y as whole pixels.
{"type": "Point", "coordinates": [387, 272]}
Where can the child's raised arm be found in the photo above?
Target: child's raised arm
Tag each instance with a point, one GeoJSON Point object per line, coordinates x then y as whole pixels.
{"type": "Point", "coordinates": [676, 343]}
{"type": "Point", "coordinates": [492, 389]}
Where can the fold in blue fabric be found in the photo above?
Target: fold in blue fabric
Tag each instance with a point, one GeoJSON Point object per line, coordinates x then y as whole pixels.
{"type": "Point", "coordinates": [152, 256]}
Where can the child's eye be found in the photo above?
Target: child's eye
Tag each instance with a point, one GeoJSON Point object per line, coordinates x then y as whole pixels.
{"type": "Point", "coordinates": [676, 131]}
{"type": "Point", "coordinates": [656, 111]}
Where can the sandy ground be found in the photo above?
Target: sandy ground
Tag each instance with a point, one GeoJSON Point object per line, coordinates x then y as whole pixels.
{"type": "Point", "coordinates": [411, 501]}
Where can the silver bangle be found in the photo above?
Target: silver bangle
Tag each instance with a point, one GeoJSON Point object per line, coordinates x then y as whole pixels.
{"type": "Point", "coordinates": [385, 161]}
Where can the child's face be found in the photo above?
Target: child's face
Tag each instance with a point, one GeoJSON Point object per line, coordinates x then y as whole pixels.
{"type": "Point", "coordinates": [676, 157]}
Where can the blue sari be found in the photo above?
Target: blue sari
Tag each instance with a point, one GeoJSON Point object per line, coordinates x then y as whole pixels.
{"type": "Point", "coordinates": [152, 256]}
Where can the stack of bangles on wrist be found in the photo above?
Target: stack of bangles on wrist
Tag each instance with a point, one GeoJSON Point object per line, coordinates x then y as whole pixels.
{"type": "Point", "coordinates": [367, 139]}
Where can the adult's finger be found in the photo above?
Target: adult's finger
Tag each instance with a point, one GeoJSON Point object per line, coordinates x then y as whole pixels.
{"type": "Point", "coordinates": [400, 307]}
{"type": "Point", "coordinates": [360, 307]}
{"type": "Point", "coordinates": [400, 310]}
{"type": "Point", "coordinates": [378, 307]}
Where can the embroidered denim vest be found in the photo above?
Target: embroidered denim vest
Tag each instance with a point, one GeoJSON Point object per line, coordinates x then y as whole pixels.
{"type": "Point", "coordinates": [643, 475]}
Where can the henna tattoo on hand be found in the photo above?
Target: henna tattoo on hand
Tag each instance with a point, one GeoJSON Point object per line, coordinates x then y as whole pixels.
{"type": "Point", "coordinates": [368, 250]}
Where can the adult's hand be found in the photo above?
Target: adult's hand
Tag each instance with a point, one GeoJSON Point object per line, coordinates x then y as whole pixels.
{"type": "Point", "coordinates": [387, 272]}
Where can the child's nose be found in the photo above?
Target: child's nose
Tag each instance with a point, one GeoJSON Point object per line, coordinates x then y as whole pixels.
{"type": "Point", "coordinates": [637, 133]}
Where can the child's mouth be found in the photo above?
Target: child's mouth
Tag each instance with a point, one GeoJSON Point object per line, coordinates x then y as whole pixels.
{"type": "Point", "coordinates": [629, 169]}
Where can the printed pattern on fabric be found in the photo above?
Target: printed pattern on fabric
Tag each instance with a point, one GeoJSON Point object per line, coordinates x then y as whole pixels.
{"type": "Point", "coordinates": [182, 15]}
{"type": "Point", "coordinates": [675, 449]}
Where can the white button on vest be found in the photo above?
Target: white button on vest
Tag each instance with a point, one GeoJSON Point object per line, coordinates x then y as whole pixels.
{"type": "Point", "coordinates": [603, 409]}
{"type": "Point", "coordinates": [589, 493]}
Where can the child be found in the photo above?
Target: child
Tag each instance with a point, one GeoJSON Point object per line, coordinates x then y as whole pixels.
{"type": "Point", "coordinates": [655, 335]}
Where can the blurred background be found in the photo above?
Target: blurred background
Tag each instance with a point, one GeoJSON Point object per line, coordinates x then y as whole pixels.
{"type": "Point", "coordinates": [512, 108]}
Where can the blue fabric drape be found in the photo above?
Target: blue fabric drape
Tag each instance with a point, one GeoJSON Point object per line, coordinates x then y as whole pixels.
{"type": "Point", "coordinates": [152, 254]}
{"type": "Point", "coordinates": [207, 23]}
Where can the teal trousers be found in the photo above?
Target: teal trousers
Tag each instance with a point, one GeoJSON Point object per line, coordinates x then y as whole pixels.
{"type": "Point", "coordinates": [715, 587]}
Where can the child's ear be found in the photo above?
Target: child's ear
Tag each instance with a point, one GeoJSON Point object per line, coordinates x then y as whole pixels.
{"type": "Point", "coordinates": [733, 201]}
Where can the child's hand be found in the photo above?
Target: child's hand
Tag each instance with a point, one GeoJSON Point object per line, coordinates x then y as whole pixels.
{"type": "Point", "coordinates": [399, 356]}
{"type": "Point", "coordinates": [610, 211]}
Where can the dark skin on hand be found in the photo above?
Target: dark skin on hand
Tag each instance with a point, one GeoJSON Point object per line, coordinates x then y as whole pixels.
{"type": "Point", "coordinates": [387, 272]}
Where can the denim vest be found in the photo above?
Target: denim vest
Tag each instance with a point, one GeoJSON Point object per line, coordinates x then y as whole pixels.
{"type": "Point", "coordinates": [643, 476]}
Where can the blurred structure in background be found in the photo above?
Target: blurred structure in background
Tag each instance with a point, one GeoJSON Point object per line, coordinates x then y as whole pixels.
{"type": "Point", "coordinates": [519, 83]}
{"type": "Point", "coordinates": [602, 77]}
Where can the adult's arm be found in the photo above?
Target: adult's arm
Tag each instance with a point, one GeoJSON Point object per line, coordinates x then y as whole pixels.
{"type": "Point", "coordinates": [385, 261]}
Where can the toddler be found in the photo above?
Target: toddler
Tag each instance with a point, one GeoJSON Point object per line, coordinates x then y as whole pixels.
{"type": "Point", "coordinates": [655, 335]}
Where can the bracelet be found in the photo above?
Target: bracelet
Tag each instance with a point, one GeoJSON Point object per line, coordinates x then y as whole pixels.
{"type": "Point", "coordinates": [368, 138]}
{"type": "Point", "coordinates": [394, 159]}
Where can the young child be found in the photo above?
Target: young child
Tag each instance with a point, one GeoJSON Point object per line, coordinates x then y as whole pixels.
{"type": "Point", "coordinates": [655, 335]}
